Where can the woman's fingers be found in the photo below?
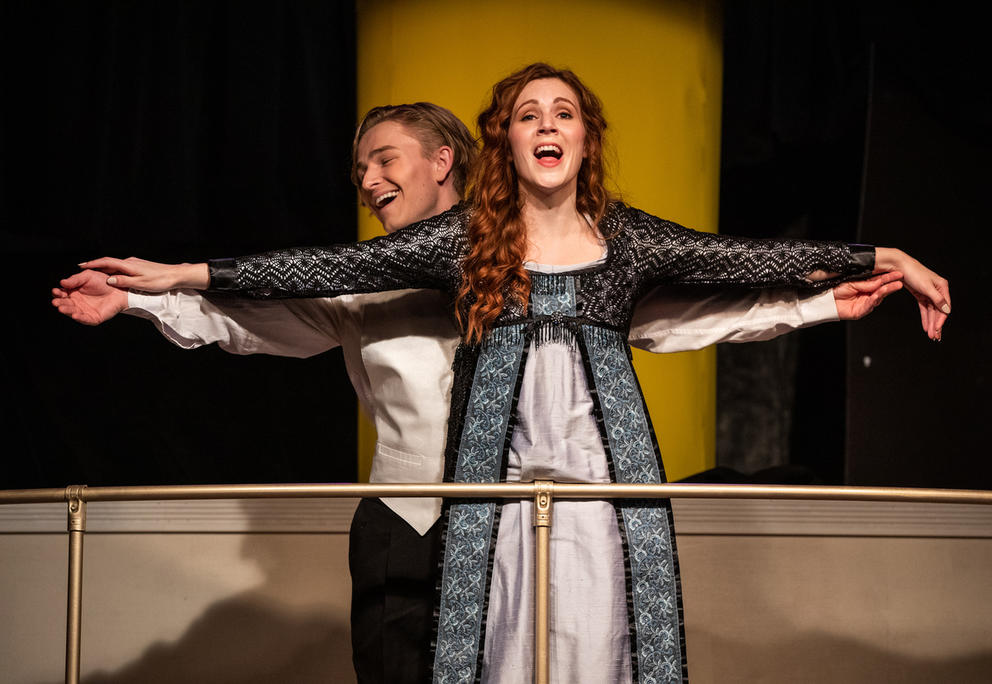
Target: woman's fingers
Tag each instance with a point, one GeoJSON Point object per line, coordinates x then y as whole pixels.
{"type": "Point", "coordinates": [111, 265]}
{"type": "Point", "coordinates": [943, 288]}
{"type": "Point", "coordinates": [123, 281]}
{"type": "Point", "coordinates": [931, 318]}
{"type": "Point", "coordinates": [940, 317]}
{"type": "Point", "coordinates": [936, 290]}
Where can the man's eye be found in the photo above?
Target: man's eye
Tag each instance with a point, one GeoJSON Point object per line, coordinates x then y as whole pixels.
{"type": "Point", "coordinates": [385, 162]}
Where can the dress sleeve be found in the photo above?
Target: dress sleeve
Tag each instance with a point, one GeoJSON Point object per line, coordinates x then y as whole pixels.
{"type": "Point", "coordinates": [665, 252]}
{"type": "Point", "coordinates": [425, 255]}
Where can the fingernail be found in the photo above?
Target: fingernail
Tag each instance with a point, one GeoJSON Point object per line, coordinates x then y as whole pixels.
{"type": "Point", "coordinates": [111, 281]}
{"type": "Point", "coordinates": [946, 309]}
{"type": "Point", "coordinates": [83, 263]}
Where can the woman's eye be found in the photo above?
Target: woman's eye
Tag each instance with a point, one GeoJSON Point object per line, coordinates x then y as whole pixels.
{"type": "Point", "coordinates": [527, 117]}
{"type": "Point", "coordinates": [565, 115]}
{"type": "Point", "coordinates": [385, 162]}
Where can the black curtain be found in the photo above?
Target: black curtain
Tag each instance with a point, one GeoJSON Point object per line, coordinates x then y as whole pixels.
{"type": "Point", "coordinates": [795, 94]}
{"type": "Point", "coordinates": [809, 149]}
{"type": "Point", "coordinates": [172, 131]}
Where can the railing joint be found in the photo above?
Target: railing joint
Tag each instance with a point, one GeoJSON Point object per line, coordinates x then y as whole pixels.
{"type": "Point", "coordinates": [76, 503]}
{"type": "Point", "coordinates": [544, 492]}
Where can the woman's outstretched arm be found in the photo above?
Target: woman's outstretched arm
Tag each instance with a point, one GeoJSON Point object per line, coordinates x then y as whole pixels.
{"type": "Point", "coordinates": [149, 276]}
{"type": "Point", "coordinates": [423, 255]}
{"type": "Point", "coordinates": [668, 252]}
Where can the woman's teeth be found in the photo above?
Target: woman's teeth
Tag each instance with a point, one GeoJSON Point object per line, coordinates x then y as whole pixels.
{"type": "Point", "coordinates": [548, 151]}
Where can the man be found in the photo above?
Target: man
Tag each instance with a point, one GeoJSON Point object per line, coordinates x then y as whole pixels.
{"type": "Point", "coordinates": [411, 162]}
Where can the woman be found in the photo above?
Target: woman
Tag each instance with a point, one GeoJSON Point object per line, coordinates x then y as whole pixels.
{"type": "Point", "coordinates": [546, 270]}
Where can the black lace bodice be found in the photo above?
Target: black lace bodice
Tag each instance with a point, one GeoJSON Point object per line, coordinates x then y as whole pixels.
{"type": "Point", "coordinates": [644, 252]}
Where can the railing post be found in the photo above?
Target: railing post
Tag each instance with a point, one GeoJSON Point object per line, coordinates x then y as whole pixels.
{"type": "Point", "coordinates": [542, 540]}
{"type": "Point", "coordinates": [73, 620]}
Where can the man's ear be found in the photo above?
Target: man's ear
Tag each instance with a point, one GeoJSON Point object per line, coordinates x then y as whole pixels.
{"type": "Point", "coordinates": [444, 161]}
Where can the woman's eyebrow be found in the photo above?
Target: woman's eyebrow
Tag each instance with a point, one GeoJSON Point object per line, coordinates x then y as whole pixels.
{"type": "Point", "coordinates": [555, 101]}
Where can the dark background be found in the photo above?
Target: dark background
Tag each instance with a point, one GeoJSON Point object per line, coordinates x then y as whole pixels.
{"type": "Point", "coordinates": [867, 122]}
{"type": "Point", "coordinates": [184, 130]}
{"type": "Point", "coordinates": [174, 131]}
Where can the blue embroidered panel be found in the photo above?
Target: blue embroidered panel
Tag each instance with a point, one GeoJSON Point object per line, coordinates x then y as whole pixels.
{"type": "Point", "coordinates": [649, 540]}
{"type": "Point", "coordinates": [463, 591]}
{"type": "Point", "coordinates": [655, 594]}
{"type": "Point", "coordinates": [550, 294]}
{"type": "Point", "coordinates": [470, 525]}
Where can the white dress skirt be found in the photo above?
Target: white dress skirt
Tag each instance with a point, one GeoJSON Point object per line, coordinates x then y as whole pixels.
{"type": "Point", "coordinates": [556, 438]}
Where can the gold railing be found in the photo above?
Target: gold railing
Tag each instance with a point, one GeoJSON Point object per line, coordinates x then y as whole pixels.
{"type": "Point", "coordinates": [542, 492]}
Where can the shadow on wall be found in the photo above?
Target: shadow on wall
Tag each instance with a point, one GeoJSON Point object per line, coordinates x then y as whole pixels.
{"type": "Point", "coordinates": [272, 633]}
{"type": "Point", "coordinates": [813, 658]}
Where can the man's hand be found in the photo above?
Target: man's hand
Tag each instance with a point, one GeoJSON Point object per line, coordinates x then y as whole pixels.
{"type": "Point", "coordinates": [858, 298]}
{"type": "Point", "coordinates": [86, 297]}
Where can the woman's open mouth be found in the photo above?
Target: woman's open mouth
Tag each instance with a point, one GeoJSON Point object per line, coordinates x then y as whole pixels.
{"type": "Point", "coordinates": [548, 155]}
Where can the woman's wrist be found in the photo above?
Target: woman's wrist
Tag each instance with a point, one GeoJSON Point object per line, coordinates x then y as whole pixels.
{"type": "Point", "coordinates": [193, 276]}
{"type": "Point", "coordinates": [889, 259]}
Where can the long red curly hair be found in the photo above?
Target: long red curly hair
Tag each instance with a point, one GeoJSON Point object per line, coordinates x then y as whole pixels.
{"type": "Point", "coordinates": [493, 270]}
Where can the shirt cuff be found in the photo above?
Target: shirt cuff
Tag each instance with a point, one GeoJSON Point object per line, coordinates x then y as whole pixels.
{"type": "Point", "coordinates": [818, 308]}
{"type": "Point", "coordinates": [139, 304]}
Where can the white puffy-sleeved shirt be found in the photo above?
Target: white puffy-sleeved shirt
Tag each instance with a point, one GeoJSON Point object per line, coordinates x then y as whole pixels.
{"type": "Point", "coordinates": [398, 348]}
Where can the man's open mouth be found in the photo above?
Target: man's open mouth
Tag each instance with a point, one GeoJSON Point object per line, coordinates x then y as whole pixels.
{"type": "Point", "coordinates": [385, 198]}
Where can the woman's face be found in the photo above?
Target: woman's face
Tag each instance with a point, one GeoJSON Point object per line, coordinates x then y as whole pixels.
{"type": "Point", "coordinates": [547, 138]}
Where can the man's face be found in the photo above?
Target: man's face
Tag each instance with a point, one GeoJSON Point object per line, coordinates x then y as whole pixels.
{"type": "Point", "coordinates": [397, 181]}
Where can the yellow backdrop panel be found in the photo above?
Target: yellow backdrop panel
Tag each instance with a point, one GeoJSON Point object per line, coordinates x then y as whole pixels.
{"type": "Point", "coordinates": [657, 66]}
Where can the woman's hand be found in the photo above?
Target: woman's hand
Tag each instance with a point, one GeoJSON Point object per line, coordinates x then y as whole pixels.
{"type": "Point", "coordinates": [858, 298]}
{"type": "Point", "coordinates": [150, 276]}
{"type": "Point", "coordinates": [86, 297]}
{"type": "Point", "coordinates": [931, 291]}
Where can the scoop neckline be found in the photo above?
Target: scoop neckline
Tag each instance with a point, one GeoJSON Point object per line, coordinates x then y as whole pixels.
{"type": "Point", "coordinates": [552, 269]}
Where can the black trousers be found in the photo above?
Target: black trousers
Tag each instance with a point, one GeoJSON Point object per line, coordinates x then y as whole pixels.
{"type": "Point", "coordinates": [393, 578]}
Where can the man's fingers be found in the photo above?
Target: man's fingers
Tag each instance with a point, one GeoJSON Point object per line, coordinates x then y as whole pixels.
{"type": "Point", "coordinates": [74, 281]}
{"type": "Point", "coordinates": [888, 289]}
{"type": "Point", "coordinates": [82, 318]}
{"type": "Point", "coordinates": [65, 306]}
